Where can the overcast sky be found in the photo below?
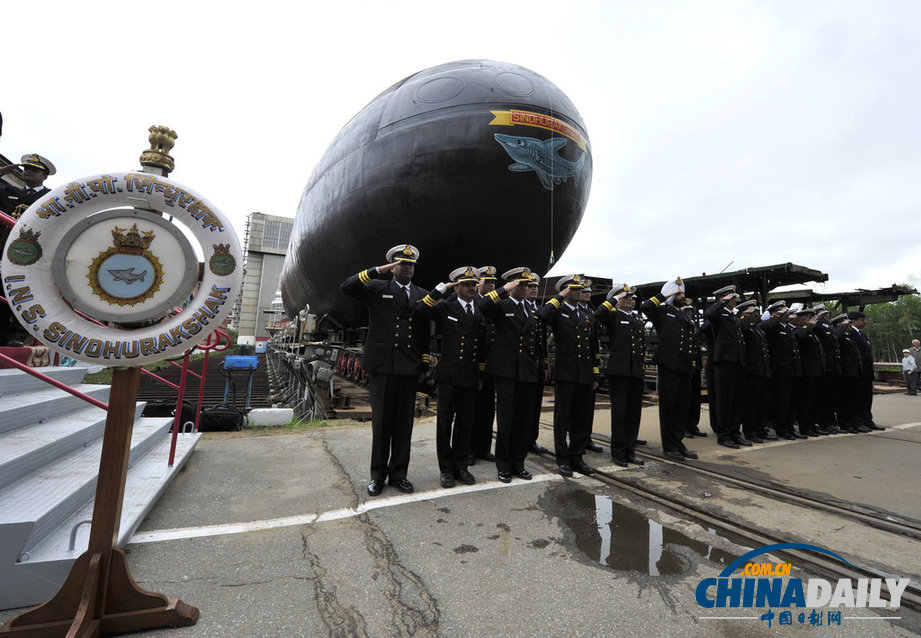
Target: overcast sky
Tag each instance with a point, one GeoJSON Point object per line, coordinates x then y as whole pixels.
{"type": "Point", "coordinates": [753, 133]}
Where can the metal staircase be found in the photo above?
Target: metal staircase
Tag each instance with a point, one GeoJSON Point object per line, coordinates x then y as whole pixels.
{"type": "Point", "coordinates": [50, 445]}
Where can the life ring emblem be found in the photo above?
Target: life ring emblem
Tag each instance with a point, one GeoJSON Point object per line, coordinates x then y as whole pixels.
{"type": "Point", "coordinates": [97, 245]}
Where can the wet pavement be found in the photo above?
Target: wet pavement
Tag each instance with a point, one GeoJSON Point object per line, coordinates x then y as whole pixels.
{"type": "Point", "coordinates": [273, 534]}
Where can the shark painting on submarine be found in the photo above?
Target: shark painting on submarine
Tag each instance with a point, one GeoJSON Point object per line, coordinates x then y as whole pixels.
{"type": "Point", "coordinates": [540, 156]}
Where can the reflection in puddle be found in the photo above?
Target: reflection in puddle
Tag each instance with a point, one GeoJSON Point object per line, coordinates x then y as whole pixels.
{"type": "Point", "coordinates": [625, 540]}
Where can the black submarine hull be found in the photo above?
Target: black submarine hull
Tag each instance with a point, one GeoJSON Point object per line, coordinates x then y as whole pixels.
{"type": "Point", "coordinates": [474, 162]}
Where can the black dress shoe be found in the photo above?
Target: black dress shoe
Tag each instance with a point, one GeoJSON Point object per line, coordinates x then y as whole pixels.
{"type": "Point", "coordinates": [738, 439]}
{"type": "Point", "coordinates": [797, 435]}
{"type": "Point", "coordinates": [767, 435]}
{"type": "Point", "coordinates": [635, 460]}
{"type": "Point", "coordinates": [874, 427]}
{"type": "Point", "coordinates": [728, 443]}
{"type": "Point", "coordinates": [861, 429]}
{"type": "Point", "coordinates": [537, 448]}
{"type": "Point", "coordinates": [465, 477]}
{"type": "Point", "coordinates": [565, 470]}
{"type": "Point", "coordinates": [619, 462]}
{"type": "Point", "coordinates": [375, 487]}
{"type": "Point", "coordinates": [695, 432]}
{"type": "Point", "coordinates": [834, 429]}
{"type": "Point", "coordinates": [403, 485]}
{"type": "Point", "coordinates": [593, 447]}
{"type": "Point", "coordinates": [523, 474]}
{"type": "Point", "coordinates": [505, 477]}
{"type": "Point", "coordinates": [754, 438]}
{"type": "Point", "coordinates": [674, 455]}
{"type": "Point", "coordinates": [686, 453]}
{"type": "Point", "coordinates": [447, 479]}
{"type": "Point", "coordinates": [822, 431]}
{"type": "Point", "coordinates": [583, 468]}
{"type": "Point", "coordinates": [471, 459]}
{"type": "Point", "coordinates": [641, 441]}
{"type": "Point", "coordinates": [487, 457]}
{"type": "Point", "coordinates": [786, 435]}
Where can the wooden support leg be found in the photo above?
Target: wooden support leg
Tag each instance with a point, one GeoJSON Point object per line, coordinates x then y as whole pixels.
{"type": "Point", "coordinates": [99, 596]}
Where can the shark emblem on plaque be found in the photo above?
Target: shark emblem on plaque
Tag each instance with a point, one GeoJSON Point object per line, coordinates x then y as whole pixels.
{"type": "Point", "coordinates": [126, 273]}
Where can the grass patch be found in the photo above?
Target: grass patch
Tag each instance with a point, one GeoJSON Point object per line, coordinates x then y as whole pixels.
{"type": "Point", "coordinates": [296, 425]}
{"type": "Point", "coordinates": [104, 377]}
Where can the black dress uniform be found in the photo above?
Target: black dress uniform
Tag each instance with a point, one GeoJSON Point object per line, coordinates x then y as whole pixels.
{"type": "Point", "coordinates": [675, 360]}
{"type": "Point", "coordinates": [864, 405]}
{"type": "Point", "coordinates": [626, 376]}
{"type": "Point", "coordinates": [728, 356]}
{"type": "Point", "coordinates": [574, 373]}
{"type": "Point", "coordinates": [785, 366]}
{"type": "Point", "coordinates": [756, 384]}
{"type": "Point", "coordinates": [850, 379]}
{"type": "Point", "coordinates": [481, 436]}
{"type": "Point", "coordinates": [812, 358]}
{"type": "Point", "coordinates": [513, 363]}
{"type": "Point", "coordinates": [825, 404]}
{"type": "Point", "coordinates": [393, 358]}
{"type": "Point", "coordinates": [460, 326]}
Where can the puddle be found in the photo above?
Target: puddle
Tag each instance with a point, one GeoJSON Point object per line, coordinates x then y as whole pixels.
{"type": "Point", "coordinates": [626, 540]}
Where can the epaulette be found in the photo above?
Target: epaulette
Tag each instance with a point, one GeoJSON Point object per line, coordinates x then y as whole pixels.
{"type": "Point", "coordinates": [555, 302]}
{"type": "Point", "coordinates": [607, 304]}
{"type": "Point", "coordinates": [655, 300]}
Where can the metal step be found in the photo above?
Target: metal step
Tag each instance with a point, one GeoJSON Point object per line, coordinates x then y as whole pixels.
{"type": "Point", "coordinates": [14, 381]}
{"type": "Point", "coordinates": [44, 499]}
{"type": "Point", "coordinates": [28, 408]}
{"type": "Point", "coordinates": [41, 571]}
{"type": "Point", "coordinates": [27, 449]}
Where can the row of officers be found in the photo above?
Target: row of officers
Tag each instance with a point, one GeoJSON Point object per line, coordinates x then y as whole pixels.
{"type": "Point", "coordinates": [765, 371]}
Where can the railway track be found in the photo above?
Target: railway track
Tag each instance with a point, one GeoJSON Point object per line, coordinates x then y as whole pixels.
{"type": "Point", "coordinates": [749, 534]}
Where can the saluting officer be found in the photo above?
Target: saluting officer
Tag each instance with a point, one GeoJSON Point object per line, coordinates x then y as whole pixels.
{"type": "Point", "coordinates": [756, 388]}
{"type": "Point", "coordinates": [393, 357]}
{"type": "Point", "coordinates": [574, 374]}
{"type": "Point", "coordinates": [481, 437]}
{"type": "Point", "coordinates": [785, 366]}
{"type": "Point", "coordinates": [851, 365]}
{"type": "Point", "coordinates": [675, 360]}
{"type": "Point", "coordinates": [728, 355]}
{"type": "Point", "coordinates": [626, 372]}
{"type": "Point", "coordinates": [865, 387]}
{"type": "Point", "coordinates": [460, 326]}
{"type": "Point", "coordinates": [585, 303]}
{"type": "Point", "coordinates": [832, 359]}
{"type": "Point", "coordinates": [812, 358]}
{"type": "Point", "coordinates": [543, 372]}
{"type": "Point", "coordinates": [692, 427]}
{"type": "Point", "coordinates": [513, 362]}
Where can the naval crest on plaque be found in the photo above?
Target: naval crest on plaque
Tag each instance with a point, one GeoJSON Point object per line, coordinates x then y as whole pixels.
{"type": "Point", "coordinates": [127, 273]}
{"type": "Point", "coordinates": [25, 249]}
{"type": "Point", "coordinates": [222, 262]}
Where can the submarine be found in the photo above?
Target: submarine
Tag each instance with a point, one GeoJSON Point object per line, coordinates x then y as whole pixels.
{"type": "Point", "coordinates": [474, 162]}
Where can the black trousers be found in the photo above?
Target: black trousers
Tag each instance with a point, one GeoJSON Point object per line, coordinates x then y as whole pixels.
{"type": "Point", "coordinates": [535, 417]}
{"type": "Point", "coordinates": [456, 407]}
{"type": "Point", "coordinates": [481, 435]}
{"type": "Point", "coordinates": [626, 408]}
{"type": "Point", "coordinates": [846, 391]}
{"type": "Point", "coordinates": [712, 405]}
{"type": "Point", "coordinates": [393, 402]}
{"type": "Point", "coordinates": [727, 395]}
{"type": "Point", "coordinates": [807, 411]}
{"type": "Point", "coordinates": [674, 394]}
{"type": "Point", "coordinates": [782, 403]}
{"type": "Point", "coordinates": [514, 416]}
{"type": "Point", "coordinates": [572, 416]}
{"type": "Point", "coordinates": [864, 400]}
{"type": "Point", "coordinates": [825, 406]}
{"type": "Point", "coordinates": [756, 402]}
{"type": "Point", "coordinates": [694, 402]}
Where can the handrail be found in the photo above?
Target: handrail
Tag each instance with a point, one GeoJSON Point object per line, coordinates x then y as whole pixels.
{"type": "Point", "coordinates": [54, 382]}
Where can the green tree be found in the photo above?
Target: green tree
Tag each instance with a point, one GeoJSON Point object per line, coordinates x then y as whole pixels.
{"type": "Point", "coordinates": [892, 326]}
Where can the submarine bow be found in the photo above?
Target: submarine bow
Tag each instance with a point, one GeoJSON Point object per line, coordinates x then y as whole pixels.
{"type": "Point", "coordinates": [475, 162]}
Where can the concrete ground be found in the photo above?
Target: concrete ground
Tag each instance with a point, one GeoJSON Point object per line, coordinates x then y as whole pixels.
{"type": "Point", "coordinates": [273, 534]}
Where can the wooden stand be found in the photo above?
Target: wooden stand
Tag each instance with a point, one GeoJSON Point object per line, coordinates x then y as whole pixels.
{"type": "Point", "coordinates": [99, 596]}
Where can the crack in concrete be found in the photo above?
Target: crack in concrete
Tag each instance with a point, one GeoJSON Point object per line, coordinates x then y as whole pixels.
{"type": "Point", "coordinates": [339, 620]}
{"type": "Point", "coordinates": [415, 610]}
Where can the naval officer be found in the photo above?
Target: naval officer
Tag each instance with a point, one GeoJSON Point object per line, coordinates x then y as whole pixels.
{"type": "Point", "coordinates": [626, 372]}
{"type": "Point", "coordinates": [574, 374]}
{"type": "Point", "coordinates": [676, 362]}
{"type": "Point", "coordinates": [481, 437]}
{"type": "Point", "coordinates": [513, 363]}
{"type": "Point", "coordinates": [728, 355]}
{"type": "Point", "coordinates": [460, 326]}
{"type": "Point", "coordinates": [393, 358]}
